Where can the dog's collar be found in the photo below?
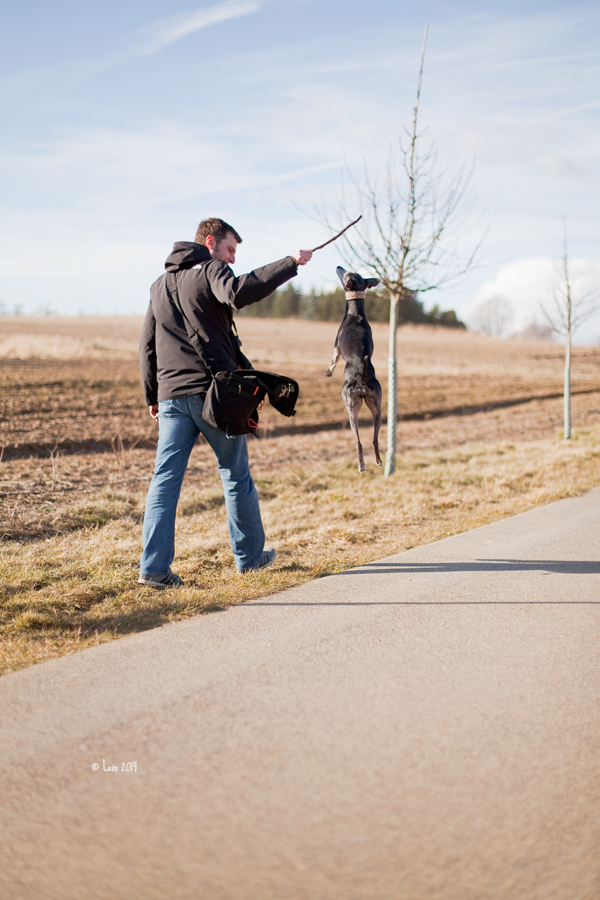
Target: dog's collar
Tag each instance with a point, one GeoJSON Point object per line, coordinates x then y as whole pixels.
{"type": "Point", "coordinates": [356, 295]}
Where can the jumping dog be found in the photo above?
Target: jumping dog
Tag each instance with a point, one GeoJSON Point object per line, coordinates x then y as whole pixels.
{"type": "Point", "coordinates": [354, 342]}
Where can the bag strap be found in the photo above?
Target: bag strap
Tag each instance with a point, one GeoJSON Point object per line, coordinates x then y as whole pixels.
{"type": "Point", "coordinates": [195, 340]}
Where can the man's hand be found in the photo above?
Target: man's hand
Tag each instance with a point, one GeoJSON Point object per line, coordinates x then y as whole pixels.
{"type": "Point", "coordinates": [301, 257]}
{"type": "Point", "coordinates": [154, 411]}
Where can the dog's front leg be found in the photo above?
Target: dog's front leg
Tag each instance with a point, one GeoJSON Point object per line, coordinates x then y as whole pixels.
{"type": "Point", "coordinates": [334, 359]}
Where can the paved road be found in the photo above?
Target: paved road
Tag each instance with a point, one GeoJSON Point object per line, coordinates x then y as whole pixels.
{"type": "Point", "coordinates": [426, 726]}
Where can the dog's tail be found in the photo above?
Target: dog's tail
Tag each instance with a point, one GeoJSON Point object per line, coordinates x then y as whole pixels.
{"type": "Point", "coordinates": [365, 372]}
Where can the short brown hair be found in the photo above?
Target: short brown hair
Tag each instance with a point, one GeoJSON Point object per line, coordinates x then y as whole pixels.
{"type": "Point", "coordinates": [218, 228]}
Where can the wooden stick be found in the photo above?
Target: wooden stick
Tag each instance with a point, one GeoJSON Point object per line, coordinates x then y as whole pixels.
{"type": "Point", "coordinates": [331, 240]}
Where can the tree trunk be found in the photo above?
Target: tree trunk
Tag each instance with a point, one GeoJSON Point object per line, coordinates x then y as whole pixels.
{"type": "Point", "coordinates": [392, 410]}
{"type": "Point", "coordinates": [567, 391]}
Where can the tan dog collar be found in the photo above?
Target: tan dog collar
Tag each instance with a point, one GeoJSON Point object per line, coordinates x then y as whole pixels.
{"type": "Point", "coordinates": [356, 295]}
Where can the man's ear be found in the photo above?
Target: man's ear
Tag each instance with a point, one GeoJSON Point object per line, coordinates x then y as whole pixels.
{"type": "Point", "coordinates": [211, 242]}
{"type": "Point", "coordinates": [371, 283]}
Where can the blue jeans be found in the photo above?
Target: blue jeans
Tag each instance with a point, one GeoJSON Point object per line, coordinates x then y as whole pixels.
{"type": "Point", "coordinates": [180, 422]}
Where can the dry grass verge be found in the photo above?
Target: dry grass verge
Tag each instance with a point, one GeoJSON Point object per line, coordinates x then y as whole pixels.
{"type": "Point", "coordinates": [69, 582]}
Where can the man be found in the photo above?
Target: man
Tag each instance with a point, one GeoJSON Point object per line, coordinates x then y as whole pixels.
{"type": "Point", "coordinates": [175, 379]}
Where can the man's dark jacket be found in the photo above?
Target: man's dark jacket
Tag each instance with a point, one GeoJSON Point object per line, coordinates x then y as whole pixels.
{"type": "Point", "coordinates": [208, 292]}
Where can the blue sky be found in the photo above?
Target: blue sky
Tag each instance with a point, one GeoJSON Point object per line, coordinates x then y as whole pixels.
{"type": "Point", "coordinates": [126, 123]}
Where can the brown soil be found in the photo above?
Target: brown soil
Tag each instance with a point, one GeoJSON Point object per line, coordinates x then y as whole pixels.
{"type": "Point", "coordinates": [78, 389]}
{"type": "Point", "coordinates": [69, 426]}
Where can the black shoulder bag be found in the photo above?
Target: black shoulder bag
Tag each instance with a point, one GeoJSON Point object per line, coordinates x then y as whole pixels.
{"type": "Point", "coordinates": [232, 400]}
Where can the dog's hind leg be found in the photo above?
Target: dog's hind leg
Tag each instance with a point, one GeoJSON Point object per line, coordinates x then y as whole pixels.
{"type": "Point", "coordinates": [374, 404]}
{"type": "Point", "coordinates": [334, 360]}
{"type": "Point", "coordinates": [353, 405]}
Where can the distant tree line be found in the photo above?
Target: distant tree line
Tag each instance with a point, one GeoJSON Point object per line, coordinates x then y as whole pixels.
{"type": "Point", "coordinates": [43, 310]}
{"type": "Point", "coordinates": [289, 302]}
{"type": "Point", "coordinates": [320, 307]}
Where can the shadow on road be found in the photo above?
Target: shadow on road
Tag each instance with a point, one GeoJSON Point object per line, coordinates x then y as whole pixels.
{"type": "Point", "coordinates": [551, 566]}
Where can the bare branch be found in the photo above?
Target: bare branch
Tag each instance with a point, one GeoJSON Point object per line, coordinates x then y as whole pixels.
{"type": "Point", "coordinates": [569, 308]}
{"type": "Point", "coordinates": [494, 316]}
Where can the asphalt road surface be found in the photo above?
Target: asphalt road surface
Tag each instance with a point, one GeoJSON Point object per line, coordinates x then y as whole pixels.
{"type": "Point", "coordinates": [425, 727]}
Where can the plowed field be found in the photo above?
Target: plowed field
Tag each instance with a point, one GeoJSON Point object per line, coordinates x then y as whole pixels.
{"type": "Point", "coordinates": [73, 384]}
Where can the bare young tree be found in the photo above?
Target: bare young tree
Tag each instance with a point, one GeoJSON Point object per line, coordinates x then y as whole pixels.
{"type": "Point", "coordinates": [410, 234]}
{"type": "Point", "coordinates": [568, 309]}
{"type": "Point", "coordinates": [535, 331]}
{"type": "Point", "coordinates": [494, 316]}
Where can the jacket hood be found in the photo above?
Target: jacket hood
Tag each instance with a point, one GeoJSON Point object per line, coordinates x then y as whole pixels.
{"type": "Point", "coordinates": [186, 254]}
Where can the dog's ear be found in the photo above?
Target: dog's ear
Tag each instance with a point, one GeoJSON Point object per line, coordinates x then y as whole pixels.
{"type": "Point", "coordinates": [371, 283]}
{"type": "Point", "coordinates": [340, 273]}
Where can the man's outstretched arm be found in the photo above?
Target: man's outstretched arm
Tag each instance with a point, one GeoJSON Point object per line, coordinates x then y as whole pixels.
{"type": "Point", "coordinates": [256, 285]}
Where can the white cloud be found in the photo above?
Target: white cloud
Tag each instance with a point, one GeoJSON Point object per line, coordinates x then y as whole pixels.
{"type": "Point", "coordinates": [164, 32]}
{"type": "Point", "coordinates": [527, 283]}
{"type": "Point", "coordinates": [523, 284]}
